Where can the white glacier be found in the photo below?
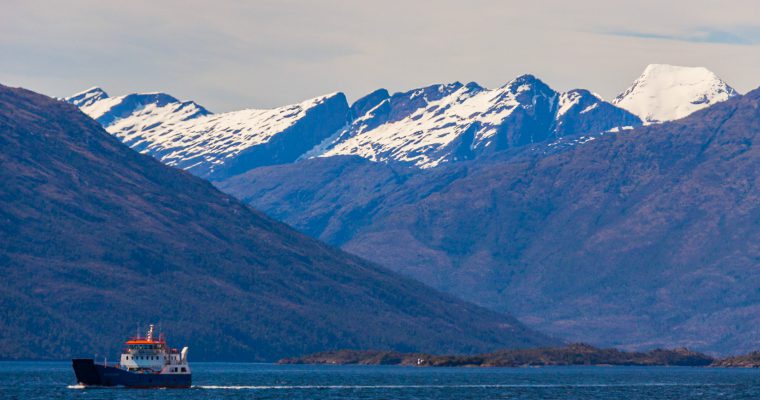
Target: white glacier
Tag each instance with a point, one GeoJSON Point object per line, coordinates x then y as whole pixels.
{"type": "Point", "coordinates": [667, 92]}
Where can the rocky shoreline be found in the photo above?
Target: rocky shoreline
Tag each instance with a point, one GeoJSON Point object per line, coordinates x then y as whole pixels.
{"type": "Point", "coordinates": [751, 360]}
{"type": "Point", "coordinates": [573, 354]}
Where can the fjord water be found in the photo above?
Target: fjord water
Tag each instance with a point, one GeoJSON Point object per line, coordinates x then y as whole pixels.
{"type": "Point", "coordinates": [55, 380]}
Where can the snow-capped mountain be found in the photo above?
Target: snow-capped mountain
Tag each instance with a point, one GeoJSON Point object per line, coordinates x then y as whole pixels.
{"type": "Point", "coordinates": [423, 127]}
{"type": "Point", "coordinates": [134, 113]}
{"type": "Point", "coordinates": [443, 123]}
{"type": "Point", "coordinates": [186, 135]}
{"type": "Point", "coordinates": [667, 92]}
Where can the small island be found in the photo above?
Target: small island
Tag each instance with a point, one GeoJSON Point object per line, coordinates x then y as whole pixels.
{"type": "Point", "coordinates": [573, 354]}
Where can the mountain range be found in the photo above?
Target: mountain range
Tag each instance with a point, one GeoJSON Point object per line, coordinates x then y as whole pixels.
{"type": "Point", "coordinates": [627, 223]}
{"type": "Point", "coordinates": [424, 127]}
{"type": "Point", "coordinates": [95, 237]}
{"type": "Point", "coordinates": [637, 239]}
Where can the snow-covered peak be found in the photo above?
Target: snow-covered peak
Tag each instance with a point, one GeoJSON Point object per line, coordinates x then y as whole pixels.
{"type": "Point", "coordinates": [523, 83]}
{"type": "Point", "coordinates": [572, 99]}
{"type": "Point", "coordinates": [567, 101]}
{"type": "Point", "coordinates": [186, 135]}
{"type": "Point", "coordinates": [87, 97]}
{"type": "Point", "coordinates": [667, 92]}
{"type": "Point", "coordinates": [142, 108]}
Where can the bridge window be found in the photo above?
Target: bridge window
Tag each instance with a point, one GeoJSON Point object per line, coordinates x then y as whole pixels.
{"type": "Point", "coordinates": [184, 369]}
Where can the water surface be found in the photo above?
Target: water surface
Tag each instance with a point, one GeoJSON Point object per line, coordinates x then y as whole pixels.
{"type": "Point", "coordinates": [55, 380]}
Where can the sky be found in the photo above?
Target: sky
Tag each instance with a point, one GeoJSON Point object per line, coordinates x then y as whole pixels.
{"type": "Point", "coordinates": [229, 55]}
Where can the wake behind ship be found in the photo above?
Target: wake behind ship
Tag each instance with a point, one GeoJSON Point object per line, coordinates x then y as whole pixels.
{"type": "Point", "coordinates": [145, 363]}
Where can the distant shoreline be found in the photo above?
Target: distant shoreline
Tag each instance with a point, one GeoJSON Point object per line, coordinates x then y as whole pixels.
{"type": "Point", "coordinates": [572, 355]}
{"type": "Point", "coordinates": [577, 354]}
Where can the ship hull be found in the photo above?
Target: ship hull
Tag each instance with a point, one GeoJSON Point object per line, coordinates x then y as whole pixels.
{"type": "Point", "coordinates": [89, 373]}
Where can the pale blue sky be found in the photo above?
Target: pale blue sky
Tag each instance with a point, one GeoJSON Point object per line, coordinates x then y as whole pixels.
{"type": "Point", "coordinates": [238, 54]}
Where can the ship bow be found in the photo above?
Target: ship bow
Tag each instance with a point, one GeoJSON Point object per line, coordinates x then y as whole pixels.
{"type": "Point", "coordinates": [86, 372]}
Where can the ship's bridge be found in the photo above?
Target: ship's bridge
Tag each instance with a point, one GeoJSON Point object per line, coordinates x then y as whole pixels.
{"type": "Point", "coordinates": [145, 344]}
{"type": "Point", "coordinates": [147, 354]}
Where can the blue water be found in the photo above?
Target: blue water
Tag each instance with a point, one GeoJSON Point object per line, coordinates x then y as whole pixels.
{"type": "Point", "coordinates": [55, 380]}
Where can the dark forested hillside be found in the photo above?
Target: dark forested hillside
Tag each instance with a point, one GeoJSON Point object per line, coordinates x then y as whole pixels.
{"type": "Point", "coordinates": [95, 238]}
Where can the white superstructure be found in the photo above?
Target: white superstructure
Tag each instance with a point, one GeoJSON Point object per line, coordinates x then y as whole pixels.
{"type": "Point", "coordinates": [151, 355]}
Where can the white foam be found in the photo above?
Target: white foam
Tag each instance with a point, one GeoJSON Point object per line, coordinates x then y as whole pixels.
{"type": "Point", "coordinates": [76, 387]}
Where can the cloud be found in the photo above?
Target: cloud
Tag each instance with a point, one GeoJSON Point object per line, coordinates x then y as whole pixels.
{"type": "Point", "coordinates": [742, 36]}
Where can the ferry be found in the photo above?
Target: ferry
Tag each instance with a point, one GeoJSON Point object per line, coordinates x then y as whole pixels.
{"type": "Point", "coordinates": [145, 363]}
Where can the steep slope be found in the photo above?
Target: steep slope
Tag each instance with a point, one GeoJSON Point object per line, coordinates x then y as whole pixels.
{"type": "Point", "coordinates": [95, 238]}
{"type": "Point", "coordinates": [213, 146]}
{"type": "Point", "coordinates": [668, 92]}
{"type": "Point", "coordinates": [642, 238]}
{"type": "Point", "coordinates": [440, 124]}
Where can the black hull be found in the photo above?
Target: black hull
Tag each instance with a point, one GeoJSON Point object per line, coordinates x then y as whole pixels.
{"type": "Point", "coordinates": [90, 374]}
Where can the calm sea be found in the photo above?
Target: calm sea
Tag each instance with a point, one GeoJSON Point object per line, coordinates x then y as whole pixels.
{"type": "Point", "coordinates": [55, 380]}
